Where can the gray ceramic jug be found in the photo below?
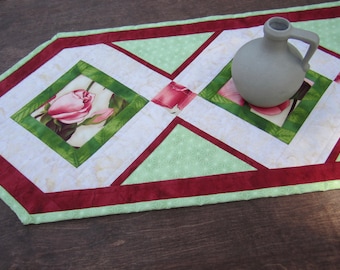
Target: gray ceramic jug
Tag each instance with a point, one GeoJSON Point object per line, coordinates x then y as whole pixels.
{"type": "Point", "coordinates": [268, 71]}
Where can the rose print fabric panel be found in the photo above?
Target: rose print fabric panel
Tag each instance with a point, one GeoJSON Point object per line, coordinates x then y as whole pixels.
{"type": "Point", "coordinates": [281, 126]}
{"type": "Point", "coordinates": [110, 128]}
{"type": "Point", "coordinates": [82, 118]}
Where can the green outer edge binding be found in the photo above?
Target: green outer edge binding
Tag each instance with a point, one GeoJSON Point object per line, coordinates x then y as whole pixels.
{"type": "Point", "coordinates": [26, 218]}
{"type": "Point", "coordinates": [161, 24]}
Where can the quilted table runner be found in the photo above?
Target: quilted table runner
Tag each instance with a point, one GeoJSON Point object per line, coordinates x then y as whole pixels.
{"type": "Point", "coordinates": [147, 117]}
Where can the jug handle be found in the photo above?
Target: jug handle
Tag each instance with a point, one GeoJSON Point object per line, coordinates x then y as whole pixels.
{"type": "Point", "coordinates": [310, 38]}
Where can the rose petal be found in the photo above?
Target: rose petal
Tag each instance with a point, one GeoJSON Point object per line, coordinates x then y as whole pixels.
{"type": "Point", "coordinates": [230, 92]}
{"type": "Point", "coordinates": [72, 107]}
{"type": "Point", "coordinates": [102, 115]}
{"type": "Point", "coordinates": [272, 110]}
{"type": "Point", "coordinates": [171, 95]}
{"type": "Point", "coordinates": [70, 118]}
{"type": "Point", "coordinates": [73, 101]}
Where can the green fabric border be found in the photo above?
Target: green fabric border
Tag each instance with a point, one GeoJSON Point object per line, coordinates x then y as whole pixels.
{"type": "Point", "coordinates": [293, 122]}
{"type": "Point", "coordinates": [73, 155]}
{"type": "Point", "coordinates": [159, 24]}
{"type": "Point", "coordinates": [26, 218]}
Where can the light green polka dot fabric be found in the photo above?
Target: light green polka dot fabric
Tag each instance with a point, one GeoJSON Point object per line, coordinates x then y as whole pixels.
{"type": "Point", "coordinates": [328, 31]}
{"type": "Point", "coordinates": [165, 53]}
{"type": "Point", "coordinates": [185, 154]}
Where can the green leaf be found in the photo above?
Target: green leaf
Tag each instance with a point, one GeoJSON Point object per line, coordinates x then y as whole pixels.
{"type": "Point", "coordinates": [88, 121]}
{"type": "Point", "coordinates": [47, 106]}
{"type": "Point", "coordinates": [117, 103]}
{"type": "Point", "coordinates": [45, 119]}
{"type": "Point", "coordinates": [67, 131]}
{"type": "Point", "coordinates": [90, 85]}
{"type": "Point", "coordinates": [51, 125]}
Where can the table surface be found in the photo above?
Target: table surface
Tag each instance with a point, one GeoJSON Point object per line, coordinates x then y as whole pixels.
{"type": "Point", "coordinates": [292, 232]}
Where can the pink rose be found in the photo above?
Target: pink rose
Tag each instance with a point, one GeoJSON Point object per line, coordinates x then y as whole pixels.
{"type": "Point", "coordinates": [102, 115]}
{"type": "Point", "coordinates": [174, 94]}
{"type": "Point", "coordinates": [99, 116]}
{"type": "Point", "coordinates": [271, 110]}
{"type": "Point", "coordinates": [72, 107]}
{"type": "Point", "coordinates": [229, 91]}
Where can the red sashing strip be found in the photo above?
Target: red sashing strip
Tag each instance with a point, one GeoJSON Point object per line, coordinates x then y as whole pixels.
{"type": "Point", "coordinates": [201, 27]}
{"type": "Point", "coordinates": [182, 188]}
{"type": "Point", "coordinates": [35, 201]}
{"type": "Point", "coordinates": [140, 60]}
{"type": "Point", "coordinates": [166, 132]}
{"type": "Point", "coordinates": [160, 71]}
{"type": "Point", "coordinates": [194, 56]}
{"type": "Point", "coordinates": [329, 52]}
{"type": "Point", "coordinates": [23, 190]}
{"type": "Point", "coordinates": [335, 153]}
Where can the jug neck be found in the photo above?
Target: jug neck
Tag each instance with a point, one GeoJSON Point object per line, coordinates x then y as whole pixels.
{"type": "Point", "coordinates": [277, 29]}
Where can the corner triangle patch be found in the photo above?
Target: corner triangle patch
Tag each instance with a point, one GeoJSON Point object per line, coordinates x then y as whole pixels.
{"type": "Point", "coordinates": [165, 53]}
{"type": "Point", "coordinates": [329, 38]}
{"type": "Point", "coordinates": [185, 154]}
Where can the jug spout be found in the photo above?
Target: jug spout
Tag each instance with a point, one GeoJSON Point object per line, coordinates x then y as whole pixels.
{"type": "Point", "coordinates": [277, 28]}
